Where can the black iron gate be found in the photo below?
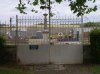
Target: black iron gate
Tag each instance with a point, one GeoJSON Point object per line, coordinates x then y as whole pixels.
{"type": "Point", "coordinates": [36, 30]}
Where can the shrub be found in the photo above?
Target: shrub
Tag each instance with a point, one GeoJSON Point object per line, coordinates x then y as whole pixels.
{"type": "Point", "coordinates": [4, 53]}
{"type": "Point", "coordinates": [2, 42]}
{"type": "Point", "coordinates": [95, 45]}
{"type": "Point", "coordinates": [91, 24]}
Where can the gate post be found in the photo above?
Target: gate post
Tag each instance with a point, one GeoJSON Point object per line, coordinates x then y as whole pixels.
{"type": "Point", "coordinates": [45, 21]}
{"type": "Point", "coordinates": [16, 38]}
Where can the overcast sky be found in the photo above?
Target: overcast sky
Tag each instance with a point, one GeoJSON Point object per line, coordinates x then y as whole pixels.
{"type": "Point", "coordinates": [7, 10]}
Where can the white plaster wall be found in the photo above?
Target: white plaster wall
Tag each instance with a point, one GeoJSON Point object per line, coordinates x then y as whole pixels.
{"type": "Point", "coordinates": [67, 54]}
{"type": "Point", "coordinates": [57, 54]}
{"type": "Point", "coordinates": [27, 56]}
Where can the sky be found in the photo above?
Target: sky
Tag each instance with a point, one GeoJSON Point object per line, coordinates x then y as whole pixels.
{"type": "Point", "coordinates": [7, 10]}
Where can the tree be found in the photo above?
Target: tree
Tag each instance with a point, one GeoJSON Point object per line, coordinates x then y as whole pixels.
{"type": "Point", "coordinates": [77, 6]}
{"type": "Point", "coordinates": [91, 24]}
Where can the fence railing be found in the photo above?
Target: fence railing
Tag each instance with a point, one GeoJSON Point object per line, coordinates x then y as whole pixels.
{"type": "Point", "coordinates": [31, 30]}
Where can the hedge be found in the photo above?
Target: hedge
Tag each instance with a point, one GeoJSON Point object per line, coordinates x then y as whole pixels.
{"type": "Point", "coordinates": [95, 45]}
{"type": "Point", "coordinates": [5, 55]}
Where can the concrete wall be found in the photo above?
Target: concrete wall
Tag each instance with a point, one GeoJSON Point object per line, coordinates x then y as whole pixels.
{"type": "Point", "coordinates": [56, 54]}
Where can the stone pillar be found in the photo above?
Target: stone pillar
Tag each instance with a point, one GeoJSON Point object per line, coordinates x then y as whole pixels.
{"type": "Point", "coordinates": [45, 21]}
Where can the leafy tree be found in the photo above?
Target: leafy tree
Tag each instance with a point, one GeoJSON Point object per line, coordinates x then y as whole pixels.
{"type": "Point", "coordinates": [91, 24]}
{"type": "Point", "coordinates": [80, 7]}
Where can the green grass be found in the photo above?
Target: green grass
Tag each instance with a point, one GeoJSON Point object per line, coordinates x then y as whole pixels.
{"type": "Point", "coordinates": [95, 69]}
{"type": "Point", "coordinates": [13, 71]}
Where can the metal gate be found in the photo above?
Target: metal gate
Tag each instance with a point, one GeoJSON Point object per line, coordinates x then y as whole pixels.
{"type": "Point", "coordinates": [56, 42]}
{"type": "Point", "coordinates": [59, 42]}
{"type": "Point", "coordinates": [36, 30]}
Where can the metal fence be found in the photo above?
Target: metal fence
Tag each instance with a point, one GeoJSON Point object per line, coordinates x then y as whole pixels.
{"type": "Point", "coordinates": [36, 30]}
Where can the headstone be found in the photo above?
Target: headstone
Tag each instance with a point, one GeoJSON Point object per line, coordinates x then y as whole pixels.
{"type": "Point", "coordinates": [39, 35]}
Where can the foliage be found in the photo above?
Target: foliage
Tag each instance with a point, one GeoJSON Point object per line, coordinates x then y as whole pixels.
{"type": "Point", "coordinates": [13, 71]}
{"type": "Point", "coordinates": [56, 36]}
{"type": "Point", "coordinates": [95, 69]}
{"type": "Point", "coordinates": [2, 42]}
{"type": "Point", "coordinates": [4, 54]}
{"type": "Point", "coordinates": [80, 7]}
{"type": "Point", "coordinates": [77, 6]}
{"type": "Point", "coordinates": [91, 24]}
{"type": "Point", "coordinates": [2, 48]}
{"type": "Point", "coordinates": [21, 7]}
{"type": "Point", "coordinates": [53, 36]}
{"type": "Point", "coordinates": [95, 45]}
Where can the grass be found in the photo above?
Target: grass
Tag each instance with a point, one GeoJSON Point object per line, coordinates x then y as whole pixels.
{"type": "Point", "coordinates": [17, 70]}
{"type": "Point", "coordinates": [95, 69]}
{"type": "Point", "coordinates": [13, 70]}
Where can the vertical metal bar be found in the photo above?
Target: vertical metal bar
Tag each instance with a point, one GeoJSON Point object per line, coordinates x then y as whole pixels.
{"type": "Point", "coordinates": [65, 27]}
{"type": "Point", "coordinates": [10, 25]}
{"type": "Point", "coordinates": [82, 29]}
{"type": "Point", "coordinates": [26, 27]}
{"type": "Point", "coordinates": [59, 26]}
{"type": "Point", "coordinates": [73, 28]}
{"type": "Point", "coordinates": [5, 27]}
{"type": "Point", "coordinates": [49, 21]}
{"type": "Point", "coordinates": [36, 21]}
{"type": "Point", "coordinates": [33, 27]}
{"type": "Point", "coordinates": [49, 30]}
{"type": "Point", "coordinates": [68, 27]}
{"type": "Point", "coordinates": [40, 28]}
{"type": "Point", "coordinates": [16, 36]}
{"type": "Point", "coordinates": [76, 33]}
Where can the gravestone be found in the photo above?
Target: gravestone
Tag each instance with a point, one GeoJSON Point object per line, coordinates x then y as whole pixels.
{"type": "Point", "coordinates": [39, 35]}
